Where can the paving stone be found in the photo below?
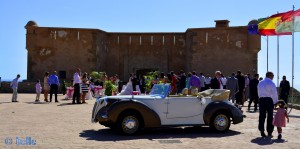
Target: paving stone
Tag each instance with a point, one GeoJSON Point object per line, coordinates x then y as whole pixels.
{"type": "Point", "coordinates": [63, 125]}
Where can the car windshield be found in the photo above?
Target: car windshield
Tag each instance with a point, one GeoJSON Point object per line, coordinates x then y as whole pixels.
{"type": "Point", "coordinates": [160, 90]}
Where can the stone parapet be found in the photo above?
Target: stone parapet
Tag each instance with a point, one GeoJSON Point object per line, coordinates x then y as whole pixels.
{"type": "Point", "coordinates": [23, 87]}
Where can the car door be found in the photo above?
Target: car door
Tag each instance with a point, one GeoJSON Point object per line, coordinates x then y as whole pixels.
{"type": "Point", "coordinates": [184, 107]}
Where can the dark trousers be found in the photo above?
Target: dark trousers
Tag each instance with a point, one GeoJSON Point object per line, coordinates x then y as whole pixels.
{"type": "Point", "coordinates": [53, 89]}
{"type": "Point", "coordinates": [255, 100]}
{"type": "Point", "coordinates": [266, 106]}
{"type": "Point", "coordinates": [284, 98]}
{"type": "Point", "coordinates": [239, 96]}
{"type": "Point", "coordinates": [76, 93]}
{"type": "Point", "coordinates": [207, 86]}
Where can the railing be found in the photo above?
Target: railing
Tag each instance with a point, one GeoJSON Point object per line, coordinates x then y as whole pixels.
{"type": "Point", "coordinates": [295, 100]}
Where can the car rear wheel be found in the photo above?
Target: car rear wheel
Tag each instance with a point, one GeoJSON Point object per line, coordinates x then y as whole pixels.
{"type": "Point", "coordinates": [129, 123]}
{"type": "Point", "coordinates": [220, 122]}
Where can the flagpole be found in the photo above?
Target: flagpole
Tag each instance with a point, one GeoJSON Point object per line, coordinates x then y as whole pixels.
{"type": "Point", "coordinates": [267, 53]}
{"type": "Point", "coordinates": [278, 63]}
{"type": "Point", "coordinates": [293, 54]}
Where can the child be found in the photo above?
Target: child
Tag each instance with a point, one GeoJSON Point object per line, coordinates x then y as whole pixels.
{"type": "Point", "coordinates": [38, 90]}
{"type": "Point", "coordinates": [279, 119]}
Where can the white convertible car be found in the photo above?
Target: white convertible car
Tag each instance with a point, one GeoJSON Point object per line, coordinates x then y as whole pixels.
{"type": "Point", "coordinates": [129, 113]}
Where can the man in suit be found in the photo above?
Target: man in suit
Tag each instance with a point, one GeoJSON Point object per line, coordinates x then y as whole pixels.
{"type": "Point", "coordinates": [216, 82]}
{"type": "Point", "coordinates": [241, 82]}
{"type": "Point", "coordinates": [182, 81]}
{"type": "Point", "coordinates": [284, 89]}
{"type": "Point", "coordinates": [253, 92]}
{"type": "Point", "coordinates": [233, 86]}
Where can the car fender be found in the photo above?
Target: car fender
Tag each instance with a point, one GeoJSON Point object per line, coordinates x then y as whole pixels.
{"type": "Point", "coordinates": [213, 107]}
{"type": "Point", "coordinates": [150, 117]}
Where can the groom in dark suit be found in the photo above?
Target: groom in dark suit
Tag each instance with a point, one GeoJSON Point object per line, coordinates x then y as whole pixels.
{"type": "Point", "coordinates": [284, 89]}
{"type": "Point", "coordinates": [216, 82]}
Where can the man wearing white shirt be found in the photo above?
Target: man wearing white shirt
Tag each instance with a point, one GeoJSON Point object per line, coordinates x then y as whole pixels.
{"type": "Point", "coordinates": [14, 86]}
{"type": "Point", "coordinates": [76, 84]}
{"type": "Point", "coordinates": [202, 81]}
{"type": "Point", "coordinates": [207, 81]}
{"type": "Point", "coordinates": [268, 96]}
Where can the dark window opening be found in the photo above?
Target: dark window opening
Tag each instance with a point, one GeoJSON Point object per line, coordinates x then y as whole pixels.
{"type": "Point", "coordinates": [62, 75]}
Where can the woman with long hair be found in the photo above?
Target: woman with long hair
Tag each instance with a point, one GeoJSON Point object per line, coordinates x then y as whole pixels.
{"type": "Point", "coordinates": [84, 86]}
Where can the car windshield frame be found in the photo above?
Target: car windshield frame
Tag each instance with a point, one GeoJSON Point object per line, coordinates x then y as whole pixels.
{"type": "Point", "coordinates": [161, 90]}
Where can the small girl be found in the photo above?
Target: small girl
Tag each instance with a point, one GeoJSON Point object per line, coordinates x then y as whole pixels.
{"type": "Point", "coordinates": [38, 89]}
{"type": "Point", "coordinates": [280, 118]}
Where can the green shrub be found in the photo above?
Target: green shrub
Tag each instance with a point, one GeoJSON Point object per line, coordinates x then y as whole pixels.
{"type": "Point", "coordinates": [109, 88]}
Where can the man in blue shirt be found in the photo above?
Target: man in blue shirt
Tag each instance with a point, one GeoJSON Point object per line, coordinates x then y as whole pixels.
{"type": "Point", "coordinates": [54, 83]}
{"type": "Point", "coordinates": [14, 86]}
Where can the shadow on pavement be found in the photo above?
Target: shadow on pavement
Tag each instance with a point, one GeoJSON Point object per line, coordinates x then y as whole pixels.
{"type": "Point", "coordinates": [67, 104]}
{"type": "Point", "coordinates": [252, 111]}
{"type": "Point", "coordinates": [70, 104]}
{"type": "Point", "coordinates": [294, 116]}
{"type": "Point", "coordinates": [159, 133]}
{"type": "Point", "coordinates": [37, 102]}
{"type": "Point", "coordinates": [6, 102]}
{"type": "Point", "coordinates": [263, 141]}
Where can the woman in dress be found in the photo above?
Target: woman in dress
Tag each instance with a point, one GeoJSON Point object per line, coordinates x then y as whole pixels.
{"type": "Point", "coordinates": [84, 87]}
{"type": "Point", "coordinates": [46, 86]}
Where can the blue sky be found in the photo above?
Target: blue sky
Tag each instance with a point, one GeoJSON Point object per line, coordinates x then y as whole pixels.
{"type": "Point", "coordinates": [140, 16]}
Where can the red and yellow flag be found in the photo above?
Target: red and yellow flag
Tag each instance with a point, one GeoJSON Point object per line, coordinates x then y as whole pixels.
{"type": "Point", "coordinates": [290, 23]}
{"type": "Point", "coordinates": [267, 27]}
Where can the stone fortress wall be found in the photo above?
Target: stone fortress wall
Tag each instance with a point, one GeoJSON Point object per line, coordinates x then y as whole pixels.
{"type": "Point", "coordinates": [202, 49]}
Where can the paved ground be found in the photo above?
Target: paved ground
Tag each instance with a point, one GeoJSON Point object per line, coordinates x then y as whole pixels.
{"type": "Point", "coordinates": [63, 125]}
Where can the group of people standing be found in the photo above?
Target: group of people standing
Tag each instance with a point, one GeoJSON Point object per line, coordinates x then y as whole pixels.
{"type": "Point", "coordinates": [261, 91]}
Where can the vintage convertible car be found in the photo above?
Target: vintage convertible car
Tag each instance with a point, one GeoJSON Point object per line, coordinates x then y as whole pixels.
{"type": "Point", "coordinates": [129, 113]}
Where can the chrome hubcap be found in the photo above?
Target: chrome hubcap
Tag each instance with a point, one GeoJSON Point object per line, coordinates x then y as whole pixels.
{"type": "Point", "coordinates": [221, 122]}
{"type": "Point", "coordinates": [130, 123]}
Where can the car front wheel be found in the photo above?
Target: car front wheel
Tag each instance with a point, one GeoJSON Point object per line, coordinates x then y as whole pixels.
{"type": "Point", "coordinates": [129, 124]}
{"type": "Point", "coordinates": [220, 122]}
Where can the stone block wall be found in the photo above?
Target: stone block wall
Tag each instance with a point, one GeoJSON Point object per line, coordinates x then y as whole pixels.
{"type": "Point", "coordinates": [205, 50]}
